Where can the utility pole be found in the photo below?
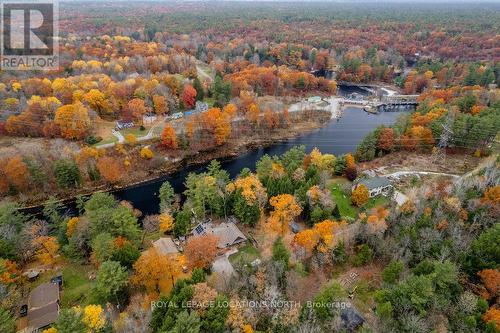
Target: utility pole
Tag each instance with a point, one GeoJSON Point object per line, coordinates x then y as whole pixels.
{"type": "Point", "coordinates": [444, 139]}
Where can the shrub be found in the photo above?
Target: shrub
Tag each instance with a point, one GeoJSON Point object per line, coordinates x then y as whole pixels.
{"type": "Point", "coordinates": [392, 272]}
{"type": "Point", "coordinates": [92, 140]}
{"type": "Point", "coordinates": [146, 153]}
{"type": "Point", "coordinates": [364, 255]}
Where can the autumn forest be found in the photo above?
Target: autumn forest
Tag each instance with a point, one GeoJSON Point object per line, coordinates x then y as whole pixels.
{"type": "Point", "coordinates": [166, 175]}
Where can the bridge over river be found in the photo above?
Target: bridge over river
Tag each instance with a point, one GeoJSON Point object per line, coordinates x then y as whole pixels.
{"type": "Point", "coordinates": [395, 102]}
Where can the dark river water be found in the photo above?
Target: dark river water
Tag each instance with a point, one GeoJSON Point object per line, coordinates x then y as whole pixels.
{"type": "Point", "coordinates": [338, 137]}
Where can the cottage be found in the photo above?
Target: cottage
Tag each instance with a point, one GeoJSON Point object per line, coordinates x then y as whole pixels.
{"type": "Point", "coordinates": [227, 233]}
{"type": "Point", "coordinates": [375, 185]}
{"type": "Point", "coordinates": [122, 124]}
{"type": "Point", "coordinates": [177, 115]}
{"type": "Point", "coordinates": [314, 99]}
{"type": "Point", "coordinates": [43, 306]}
{"type": "Point", "coordinates": [166, 246]}
{"type": "Point", "coordinates": [201, 107]}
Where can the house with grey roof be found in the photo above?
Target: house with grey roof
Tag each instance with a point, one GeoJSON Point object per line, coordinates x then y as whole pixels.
{"type": "Point", "coordinates": [375, 185]}
{"type": "Point", "coordinates": [43, 306]}
{"type": "Point", "coordinates": [227, 233]}
{"type": "Point", "coordinates": [166, 246]}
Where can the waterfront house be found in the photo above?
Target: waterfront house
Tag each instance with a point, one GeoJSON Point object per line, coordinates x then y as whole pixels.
{"type": "Point", "coordinates": [166, 246]}
{"type": "Point", "coordinates": [227, 233]}
{"type": "Point", "coordinates": [122, 124]}
{"type": "Point", "coordinates": [375, 185]}
{"type": "Point", "coordinates": [43, 306]}
{"type": "Point", "coordinates": [314, 99]}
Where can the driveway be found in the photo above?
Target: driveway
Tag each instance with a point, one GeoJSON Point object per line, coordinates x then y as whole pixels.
{"type": "Point", "coordinates": [222, 266]}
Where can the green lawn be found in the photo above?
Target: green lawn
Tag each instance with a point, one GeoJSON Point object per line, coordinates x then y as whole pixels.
{"type": "Point", "coordinates": [135, 131]}
{"type": "Point", "coordinates": [210, 101]}
{"type": "Point", "coordinates": [342, 181]}
{"type": "Point", "coordinates": [379, 200]}
{"type": "Point", "coordinates": [246, 254]}
{"type": "Point", "coordinates": [343, 201]}
{"type": "Point", "coordinates": [76, 285]}
{"type": "Point", "coordinates": [111, 139]}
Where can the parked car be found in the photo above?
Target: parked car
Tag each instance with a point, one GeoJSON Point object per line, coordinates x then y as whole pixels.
{"type": "Point", "coordinates": [23, 311]}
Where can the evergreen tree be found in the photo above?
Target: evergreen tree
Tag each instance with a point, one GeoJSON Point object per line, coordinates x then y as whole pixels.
{"type": "Point", "coordinates": [281, 253]}
{"type": "Point", "coordinates": [200, 92]}
{"type": "Point", "coordinates": [166, 196]}
{"type": "Point", "coordinates": [187, 323]}
{"type": "Point", "coordinates": [67, 174]}
{"type": "Point", "coordinates": [111, 279]}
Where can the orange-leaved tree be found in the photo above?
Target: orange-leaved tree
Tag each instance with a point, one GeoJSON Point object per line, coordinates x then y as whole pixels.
{"type": "Point", "coordinates": [17, 172]}
{"type": "Point", "coordinates": [492, 316]}
{"type": "Point", "coordinates": [189, 96]}
{"type": "Point", "coordinates": [137, 107]}
{"type": "Point", "coordinates": [491, 281]}
{"type": "Point", "coordinates": [9, 272]}
{"type": "Point", "coordinates": [160, 104]}
{"type": "Point", "coordinates": [321, 237]}
{"type": "Point", "coordinates": [110, 169]}
{"type": "Point", "coordinates": [349, 160]}
{"type": "Point", "coordinates": [386, 139]}
{"type": "Point", "coordinates": [201, 251]}
{"type": "Point", "coordinates": [169, 138]}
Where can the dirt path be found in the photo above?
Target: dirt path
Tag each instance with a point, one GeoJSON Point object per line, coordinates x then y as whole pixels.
{"type": "Point", "coordinates": [398, 174]}
{"type": "Point", "coordinates": [203, 73]}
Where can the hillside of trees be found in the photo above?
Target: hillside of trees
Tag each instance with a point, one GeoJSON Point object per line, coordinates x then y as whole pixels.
{"type": "Point", "coordinates": [146, 88]}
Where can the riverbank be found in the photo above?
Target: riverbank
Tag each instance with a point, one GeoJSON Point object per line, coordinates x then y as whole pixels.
{"type": "Point", "coordinates": [226, 152]}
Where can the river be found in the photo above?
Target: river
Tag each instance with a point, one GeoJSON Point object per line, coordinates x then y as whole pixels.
{"type": "Point", "coordinates": [338, 137]}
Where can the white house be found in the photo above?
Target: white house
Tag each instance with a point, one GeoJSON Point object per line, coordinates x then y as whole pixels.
{"type": "Point", "coordinates": [375, 186]}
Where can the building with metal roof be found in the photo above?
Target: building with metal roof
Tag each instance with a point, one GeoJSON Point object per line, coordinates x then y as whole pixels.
{"type": "Point", "coordinates": [375, 185]}
{"type": "Point", "coordinates": [43, 306]}
{"type": "Point", "coordinates": [227, 233]}
{"type": "Point", "coordinates": [166, 245]}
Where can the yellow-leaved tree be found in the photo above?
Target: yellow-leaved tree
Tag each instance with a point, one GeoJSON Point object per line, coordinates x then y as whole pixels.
{"type": "Point", "coordinates": [320, 238]}
{"type": "Point", "coordinates": [286, 209]}
{"type": "Point", "coordinates": [251, 189]}
{"type": "Point", "coordinates": [47, 248]}
{"type": "Point", "coordinates": [166, 223]}
{"type": "Point", "coordinates": [360, 195]}
{"type": "Point", "coordinates": [94, 318]}
{"type": "Point", "coordinates": [156, 272]}
{"type": "Point", "coordinates": [73, 120]}
{"type": "Point", "coordinates": [71, 226]}
{"type": "Point", "coordinates": [146, 153]}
